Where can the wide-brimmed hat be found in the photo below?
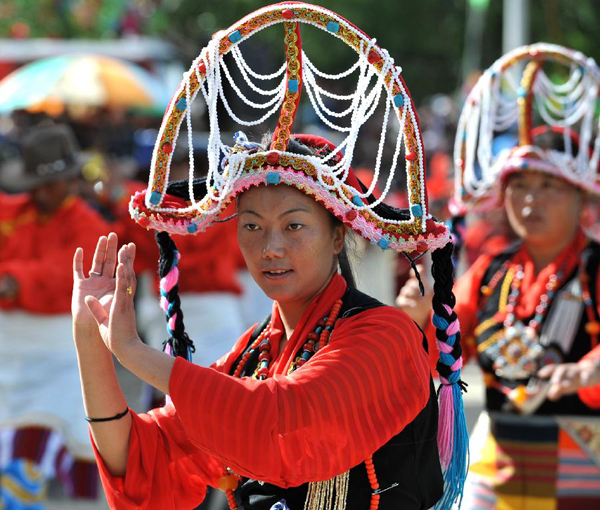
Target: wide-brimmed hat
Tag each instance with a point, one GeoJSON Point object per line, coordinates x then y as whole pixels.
{"type": "Point", "coordinates": [49, 152]}
{"type": "Point", "coordinates": [325, 175]}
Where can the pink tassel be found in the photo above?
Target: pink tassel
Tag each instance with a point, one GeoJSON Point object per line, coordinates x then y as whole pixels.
{"type": "Point", "coordinates": [445, 437]}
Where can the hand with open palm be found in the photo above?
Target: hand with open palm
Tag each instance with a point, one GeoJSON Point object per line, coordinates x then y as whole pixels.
{"type": "Point", "coordinates": [101, 281]}
{"type": "Point", "coordinates": [105, 298]}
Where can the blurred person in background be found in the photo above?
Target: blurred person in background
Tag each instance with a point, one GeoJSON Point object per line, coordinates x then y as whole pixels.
{"type": "Point", "coordinates": [43, 433]}
{"type": "Point", "coordinates": [530, 314]}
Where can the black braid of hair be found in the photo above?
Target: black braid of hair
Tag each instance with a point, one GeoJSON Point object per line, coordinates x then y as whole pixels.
{"type": "Point", "coordinates": [442, 270]}
{"type": "Point", "coordinates": [179, 341]}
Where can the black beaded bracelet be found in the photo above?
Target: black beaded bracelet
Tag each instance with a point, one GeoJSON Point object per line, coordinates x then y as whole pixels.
{"type": "Point", "coordinates": [115, 417]}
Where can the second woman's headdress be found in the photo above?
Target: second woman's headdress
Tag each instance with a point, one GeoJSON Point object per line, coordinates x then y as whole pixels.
{"type": "Point", "coordinates": [535, 109]}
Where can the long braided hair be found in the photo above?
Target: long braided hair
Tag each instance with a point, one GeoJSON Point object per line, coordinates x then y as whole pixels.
{"type": "Point", "coordinates": [453, 438]}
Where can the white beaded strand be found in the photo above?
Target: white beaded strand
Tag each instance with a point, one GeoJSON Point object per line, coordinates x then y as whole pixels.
{"type": "Point", "coordinates": [279, 91]}
{"type": "Point", "coordinates": [246, 70]}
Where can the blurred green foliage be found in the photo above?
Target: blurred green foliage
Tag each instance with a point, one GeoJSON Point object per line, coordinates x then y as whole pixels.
{"type": "Point", "coordinates": [426, 37]}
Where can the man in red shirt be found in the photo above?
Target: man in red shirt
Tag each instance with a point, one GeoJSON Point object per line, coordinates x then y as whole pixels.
{"type": "Point", "coordinates": [41, 224]}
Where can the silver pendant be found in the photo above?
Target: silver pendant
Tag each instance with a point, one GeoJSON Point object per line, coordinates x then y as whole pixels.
{"type": "Point", "coordinates": [515, 355]}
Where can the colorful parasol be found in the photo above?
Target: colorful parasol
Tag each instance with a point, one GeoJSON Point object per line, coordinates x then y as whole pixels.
{"type": "Point", "coordinates": [51, 84]}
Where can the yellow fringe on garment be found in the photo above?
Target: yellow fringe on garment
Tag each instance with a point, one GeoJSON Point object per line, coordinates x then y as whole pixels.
{"type": "Point", "coordinates": [320, 495]}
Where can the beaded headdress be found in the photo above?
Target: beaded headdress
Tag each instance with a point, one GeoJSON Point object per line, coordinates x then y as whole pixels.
{"type": "Point", "coordinates": [325, 174]}
{"type": "Point", "coordinates": [531, 91]}
{"type": "Point", "coordinates": [329, 178]}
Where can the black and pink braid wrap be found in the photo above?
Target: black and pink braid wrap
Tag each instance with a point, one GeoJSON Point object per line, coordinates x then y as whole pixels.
{"type": "Point", "coordinates": [178, 343]}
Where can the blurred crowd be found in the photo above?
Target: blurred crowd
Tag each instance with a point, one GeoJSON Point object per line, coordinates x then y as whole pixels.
{"type": "Point", "coordinates": [72, 156]}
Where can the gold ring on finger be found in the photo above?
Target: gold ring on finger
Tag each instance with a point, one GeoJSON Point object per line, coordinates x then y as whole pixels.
{"type": "Point", "coordinates": [130, 291]}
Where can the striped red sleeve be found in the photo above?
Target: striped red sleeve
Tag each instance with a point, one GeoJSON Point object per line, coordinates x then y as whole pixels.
{"type": "Point", "coordinates": [350, 399]}
{"type": "Point", "coordinates": [164, 470]}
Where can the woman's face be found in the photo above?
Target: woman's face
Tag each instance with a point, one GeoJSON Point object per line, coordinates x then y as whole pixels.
{"type": "Point", "coordinates": [542, 208]}
{"type": "Point", "coordinates": [289, 242]}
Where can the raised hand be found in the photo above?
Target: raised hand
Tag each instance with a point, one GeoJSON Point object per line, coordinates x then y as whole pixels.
{"type": "Point", "coordinates": [100, 283]}
{"type": "Point", "coordinates": [116, 315]}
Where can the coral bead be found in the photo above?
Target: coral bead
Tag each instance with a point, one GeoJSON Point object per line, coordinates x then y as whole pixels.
{"type": "Point", "coordinates": [288, 14]}
{"type": "Point", "coordinates": [486, 291]}
{"type": "Point", "coordinates": [373, 57]}
{"type": "Point", "coordinates": [592, 328]}
{"type": "Point", "coordinates": [227, 483]}
{"type": "Point", "coordinates": [143, 221]}
{"type": "Point", "coordinates": [167, 148]}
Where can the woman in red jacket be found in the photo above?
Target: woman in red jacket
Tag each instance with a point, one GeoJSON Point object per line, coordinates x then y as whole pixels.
{"type": "Point", "coordinates": [531, 312]}
{"type": "Point", "coordinates": [329, 402]}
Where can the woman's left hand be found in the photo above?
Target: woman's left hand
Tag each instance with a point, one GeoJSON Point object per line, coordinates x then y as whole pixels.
{"type": "Point", "coordinates": [116, 319]}
{"type": "Point", "coordinates": [568, 378]}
